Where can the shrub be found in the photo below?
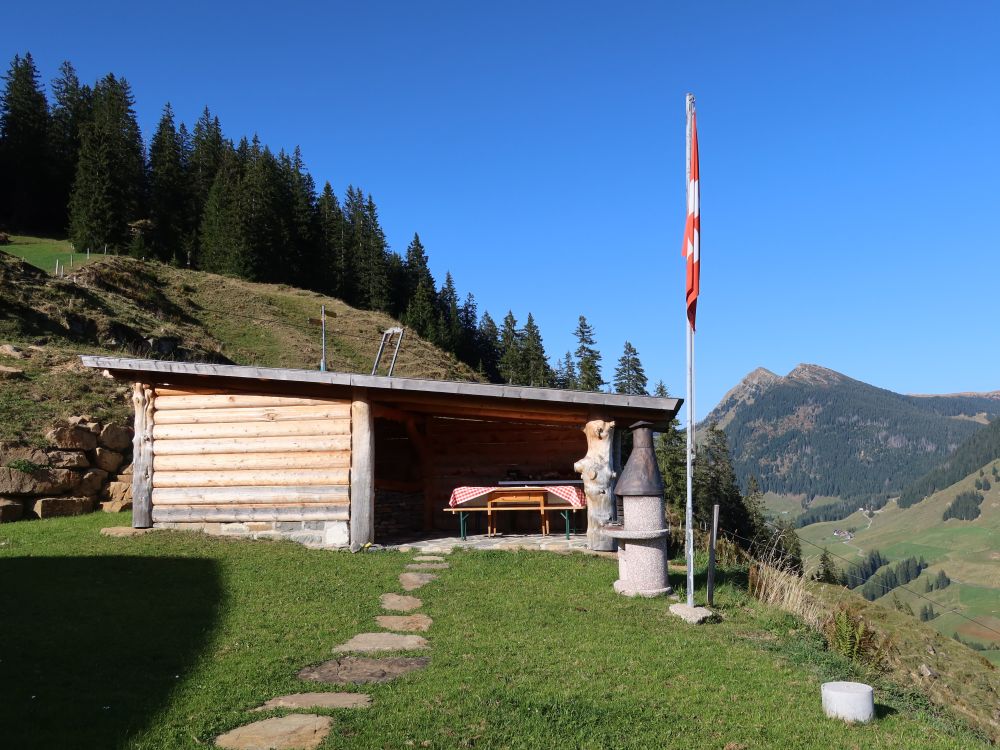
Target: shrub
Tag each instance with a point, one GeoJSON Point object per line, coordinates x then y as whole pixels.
{"type": "Point", "coordinates": [23, 464]}
{"type": "Point", "coordinates": [847, 633]}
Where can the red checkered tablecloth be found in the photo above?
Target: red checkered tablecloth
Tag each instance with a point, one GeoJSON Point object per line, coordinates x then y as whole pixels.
{"type": "Point", "coordinates": [572, 495]}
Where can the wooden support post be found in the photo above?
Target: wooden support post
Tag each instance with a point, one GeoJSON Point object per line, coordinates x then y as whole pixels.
{"type": "Point", "coordinates": [362, 470]}
{"type": "Point", "coordinates": [419, 441]}
{"type": "Point", "coordinates": [142, 457]}
{"type": "Point", "coordinates": [598, 482]}
{"type": "Point", "coordinates": [711, 555]}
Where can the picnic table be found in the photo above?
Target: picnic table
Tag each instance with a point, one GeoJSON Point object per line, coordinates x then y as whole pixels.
{"type": "Point", "coordinates": [523, 497]}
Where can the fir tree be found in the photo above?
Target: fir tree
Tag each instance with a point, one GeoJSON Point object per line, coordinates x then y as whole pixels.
{"type": "Point", "coordinates": [468, 318]}
{"type": "Point", "coordinates": [110, 175]}
{"type": "Point", "coordinates": [449, 326]}
{"type": "Point", "coordinates": [24, 130]}
{"type": "Point", "coordinates": [207, 152]}
{"type": "Point", "coordinates": [220, 236]}
{"type": "Point", "coordinates": [511, 364]}
{"type": "Point", "coordinates": [826, 570]}
{"type": "Point", "coordinates": [330, 237]}
{"type": "Point", "coordinates": [534, 363]}
{"type": "Point", "coordinates": [671, 457]}
{"type": "Point", "coordinates": [168, 191]}
{"type": "Point", "coordinates": [588, 359]}
{"type": "Point", "coordinates": [488, 345]}
{"type": "Point", "coordinates": [71, 111]}
{"type": "Point", "coordinates": [416, 267]}
{"type": "Point", "coordinates": [420, 314]}
{"type": "Point", "coordinates": [565, 374]}
{"type": "Point", "coordinates": [630, 377]}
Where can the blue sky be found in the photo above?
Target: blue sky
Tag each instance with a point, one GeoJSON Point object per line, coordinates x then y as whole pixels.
{"type": "Point", "coordinates": [849, 158]}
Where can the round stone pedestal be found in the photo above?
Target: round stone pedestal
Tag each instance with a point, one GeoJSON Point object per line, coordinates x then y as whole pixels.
{"type": "Point", "coordinates": [850, 701]}
{"type": "Point", "coordinates": [642, 559]}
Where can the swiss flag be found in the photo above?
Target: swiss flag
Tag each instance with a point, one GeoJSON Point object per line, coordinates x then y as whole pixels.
{"type": "Point", "coordinates": [692, 227]}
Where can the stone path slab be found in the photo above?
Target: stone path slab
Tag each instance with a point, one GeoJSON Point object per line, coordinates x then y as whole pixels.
{"type": "Point", "coordinates": [368, 642]}
{"type": "Point", "coordinates": [400, 603]}
{"type": "Point", "coordinates": [428, 558]}
{"type": "Point", "coordinates": [360, 670]}
{"type": "Point", "coordinates": [292, 732]}
{"type": "Point", "coordinates": [412, 581]}
{"type": "Point", "coordinates": [318, 700]}
{"type": "Point", "coordinates": [406, 623]}
{"type": "Point", "coordinates": [428, 566]}
{"type": "Point", "coordinates": [124, 531]}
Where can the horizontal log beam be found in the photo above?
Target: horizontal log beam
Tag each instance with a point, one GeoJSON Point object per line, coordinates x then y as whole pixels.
{"type": "Point", "coordinates": [224, 400]}
{"type": "Point", "coordinates": [230, 461]}
{"type": "Point", "coordinates": [209, 514]}
{"type": "Point", "coordinates": [253, 414]}
{"type": "Point", "coordinates": [251, 429]}
{"type": "Point", "coordinates": [264, 496]}
{"type": "Point", "coordinates": [252, 478]}
{"type": "Point", "coordinates": [252, 445]}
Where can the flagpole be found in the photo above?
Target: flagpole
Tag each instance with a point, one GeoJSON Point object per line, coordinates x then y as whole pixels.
{"type": "Point", "coordinates": [688, 513]}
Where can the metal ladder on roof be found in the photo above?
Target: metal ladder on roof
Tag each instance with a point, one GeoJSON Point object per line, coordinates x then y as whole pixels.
{"type": "Point", "coordinates": [387, 335]}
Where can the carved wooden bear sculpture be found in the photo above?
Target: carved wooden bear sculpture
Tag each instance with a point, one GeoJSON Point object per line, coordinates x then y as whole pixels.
{"type": "Point", "coordinates": [598, 481]}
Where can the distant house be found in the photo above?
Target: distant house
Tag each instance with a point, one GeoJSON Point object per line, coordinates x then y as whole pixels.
{"type": "Point", "coordinates": [340, 459]}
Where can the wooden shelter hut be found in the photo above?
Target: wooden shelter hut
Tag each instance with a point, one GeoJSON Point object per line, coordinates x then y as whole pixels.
{"type": "Point", "coordinates": [343, 460]}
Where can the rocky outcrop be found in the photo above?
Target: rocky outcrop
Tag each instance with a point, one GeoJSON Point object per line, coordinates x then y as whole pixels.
{"type": "Point", "coordinates": [88, 463]}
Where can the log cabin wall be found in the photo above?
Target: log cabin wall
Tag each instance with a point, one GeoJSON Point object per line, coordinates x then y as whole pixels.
{"type": "Point", "coordinates": [251, 464]}
{"type": "Point", "coordinates": [471, 453]}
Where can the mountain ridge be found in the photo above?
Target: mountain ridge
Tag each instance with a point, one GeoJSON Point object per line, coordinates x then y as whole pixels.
{"type": "Point", "coordinates": [816, 431]}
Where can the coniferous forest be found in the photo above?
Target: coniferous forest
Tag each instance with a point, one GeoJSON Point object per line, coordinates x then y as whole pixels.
{"type": "Point", "coordinates": [76, 165]}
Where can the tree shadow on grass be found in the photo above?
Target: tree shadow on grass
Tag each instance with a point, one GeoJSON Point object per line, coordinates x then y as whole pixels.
{"type": "Point", "coordinates": [92, 647]}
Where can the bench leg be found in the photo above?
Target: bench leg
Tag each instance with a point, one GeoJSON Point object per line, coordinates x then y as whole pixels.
{"type": "Point", "coordinates": [565, 515]}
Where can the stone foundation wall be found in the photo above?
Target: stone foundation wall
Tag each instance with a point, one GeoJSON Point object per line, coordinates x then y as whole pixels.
{"type": "Point", "coordinates": [88, 465]}
{"type": "Point", "coordinates": [398, 514]}
{"type": "Point", "coordinates": [320, 534]}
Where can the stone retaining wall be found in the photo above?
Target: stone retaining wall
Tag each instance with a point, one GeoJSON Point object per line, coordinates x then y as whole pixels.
{"type": "Point", "coordinates": [88, 465]}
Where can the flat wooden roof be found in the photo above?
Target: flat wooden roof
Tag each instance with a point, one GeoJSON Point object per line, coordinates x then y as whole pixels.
{"type": "Point", "coordinates": [446, 397]}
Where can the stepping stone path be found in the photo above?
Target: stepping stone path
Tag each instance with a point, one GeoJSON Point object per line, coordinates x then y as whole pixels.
{"type": "Point", "coordinates": [292, 732]}
{"type": "Point", "coordinates": [399, 603]}
{"type": "Point", "coordinates": [412, 581]}
{"type": "Point", "coordinates": [297, 731]}
{"type": "Point", "coordinates": [318, 700]}
{"type": "Point", "coordinates": [358, 670]}
{"type": "Point", "coordinates": [406, 623]}
{"type": "Point", "coordinates": [367, 642]}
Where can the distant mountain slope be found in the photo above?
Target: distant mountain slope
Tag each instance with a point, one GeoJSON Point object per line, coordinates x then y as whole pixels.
{"type": "Point", "coordinates": [819, 432]}
{"type": "Point", "coordinates": [977, 451]}
{"type": "Point", "coordinates": [968, 551]}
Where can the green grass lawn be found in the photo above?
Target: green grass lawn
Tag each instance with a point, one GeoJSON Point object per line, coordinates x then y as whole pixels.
{"type": "Point", "coordinates": [164, 641]}
{"type": "Point", "coordinates": [43, 253]}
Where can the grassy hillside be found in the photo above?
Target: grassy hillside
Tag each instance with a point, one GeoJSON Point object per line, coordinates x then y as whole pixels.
{"type": "Point", "coordinates": [528, 650]}
{"type": "Point", "coordinates": [790, 507]}
{"type": "Point", "coordinates": [969, 551]}
{"type": "Point", "coordinates": [43, 253]}
{"type": "Point", "coordinates": [133, 308]}
{"type": "Point", "coordinates": [981, 448]}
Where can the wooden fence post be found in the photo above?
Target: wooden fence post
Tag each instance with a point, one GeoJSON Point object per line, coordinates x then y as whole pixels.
{"type": "Point", "coordinates": [711, 555]}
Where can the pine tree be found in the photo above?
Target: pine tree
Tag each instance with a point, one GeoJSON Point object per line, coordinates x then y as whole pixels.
{"type": "Point", "coordinates": [468, 318]}
{"type": "Point", "coordinates": [24, 130]}
{"type": "Point", "coordinates": [630, 377]}
{"type": "Point", "coordinates": [511, 364]}
{"type": "Point", "coordinates": [168, 191]}
{"type": "Point", "coordinates": [373, 275]}
{"type": "Point", "coordinates": [110, 175]}
{"type": "Point", "coordinates": [71, 111]}
{"type": "Point", "coordinates": [588, 359]}
{"type": "Point", "coordinates": [416, 267]}
{"type": "Point", "coordinates": [826, 570]}
{"type": "Point", "coordinates": [533, 360]}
